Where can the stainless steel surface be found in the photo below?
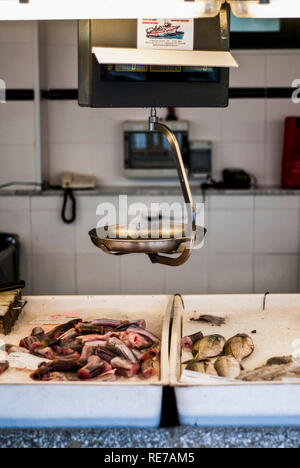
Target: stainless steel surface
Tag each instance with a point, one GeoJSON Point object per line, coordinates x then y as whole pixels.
{"type": "Point", "coordinates": [130, 246]}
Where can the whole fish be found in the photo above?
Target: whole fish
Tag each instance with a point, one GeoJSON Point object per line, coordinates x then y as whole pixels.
{"type": "Point", "coordinates": [188, 341]}
{"type": "Point", "coordinates": [203, 367]}
{"type": "Point", "coordinates": [228, 366]}
{"type": "Point", "coordinates": [4, 365]}
{"type": "Point", "coordinates": [37, 331]}
{"type": "Point", "coordinates": [120, 349]}
{"type": "Point", "coordinates": [240, 346]}
{"type": "Point", "coordinates": [212, 319]}
{"type": "Point", "coordinates": [144, 333]}
{"type": "Point", "coordinates": [208, 347]}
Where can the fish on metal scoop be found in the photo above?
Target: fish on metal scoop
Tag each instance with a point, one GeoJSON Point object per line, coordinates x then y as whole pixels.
{"type": "Point", "coordinates": [203, 367]}
{"type": "Point", "coordinates": [212, 319]}
{"type": "Point", "coordinates": [228, 367]}
{"type": "Point", "coordinates": [208, 347]}
{"type": "Point", "coordinates": [239, 346]}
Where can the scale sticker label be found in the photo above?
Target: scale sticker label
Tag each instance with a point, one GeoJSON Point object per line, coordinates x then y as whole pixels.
{"type": "Point", "coordinates": [176, 34]}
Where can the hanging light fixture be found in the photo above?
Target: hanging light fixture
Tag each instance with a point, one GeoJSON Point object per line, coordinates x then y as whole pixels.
{"type": "Point", "coordinates": [106, 9]}
{"type": "Point", "coordinates": [265, 8]}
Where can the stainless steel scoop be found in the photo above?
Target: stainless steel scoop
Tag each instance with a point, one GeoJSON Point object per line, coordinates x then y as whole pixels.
{"type": "Point", "coordinates": [179, 240]}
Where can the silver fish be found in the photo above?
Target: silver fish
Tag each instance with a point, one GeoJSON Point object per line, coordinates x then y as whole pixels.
{"type": "Point", "coordinates": [240, 346]}
{"type": "Point", "coordinates": [208, 347]}
{"type": "Point", "coordinates": [228, 367]}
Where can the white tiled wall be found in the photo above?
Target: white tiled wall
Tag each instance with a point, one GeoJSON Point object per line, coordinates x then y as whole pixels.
{"type": "Point", "coordinates": [252, 246]}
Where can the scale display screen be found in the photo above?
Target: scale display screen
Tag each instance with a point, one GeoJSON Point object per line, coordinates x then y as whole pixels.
{"type": "Point", "coordinates": [159, 73]}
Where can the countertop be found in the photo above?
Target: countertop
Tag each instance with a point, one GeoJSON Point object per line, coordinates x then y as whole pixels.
{"type": "Point", "coordinates": [178, 437]}
{"type": "Point", "coordinates": [148, 190]}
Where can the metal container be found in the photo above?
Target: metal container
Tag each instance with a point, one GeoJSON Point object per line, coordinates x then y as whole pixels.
{"type": "Point", "coordinates": [126, 403]}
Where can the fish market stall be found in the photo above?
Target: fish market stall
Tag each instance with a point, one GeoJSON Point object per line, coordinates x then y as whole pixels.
{"type": "Point", "coordinates": [266, 388]}
{"type": "Point", "coordinates": [34, 393]}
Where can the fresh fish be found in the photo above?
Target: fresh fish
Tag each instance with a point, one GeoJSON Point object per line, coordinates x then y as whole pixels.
{"type": "Point", "coordinates": [29, 341]}
{"type": "Point", "coordinates": [228, 366]}
{"type": "Point", "coordinates": [208, 347]}
{"type": "Point", "coordinates": [58, 365]}
{"type": "Point", "coordinates": [134, 324]}
{"type": "Point", "coordinates": [88, 329]}
{"type": "Point", "coordinates": [273, 373]}
{"type": "Point", "coordinates": [109, 376]}
{"type": "Point", "coordinates": [94, 367]}
{"type": "Point", "coordinates": [204, 367]}
{"type": "Point", "coordinates": [106, 323]}
{"type": "Point", "coordinates": [87, 352]}
{"type": "Point", "coordinates": [58, 331]}
{"type": "Point", "coordinates": [188, 341]}
{"type": "Point", "coordinates": [212, 319]}
{"type": "Point", "coordinates": [15, 349]}
{"type": "Point", "coordinates": [37, 331]}
{"type": "Point", "coordinates": [240, 346]}
{"type": "Point", "coordinates": [70, 335]}
{"type": "Point", "coordinates": [4, 365]}
{"type": "Point", "coordinates": [149, 368]}
{"type": "Point", "coordinates": [277, 361]}
{"type": "Point", "coordinates": [124, 367]}
{"type": "Point", "coordinates": [135, 340]}
{"type": "Point", "coordinates": [88, 338]}
{"type": "Point", "coordinates": [74, 345]}
{"type": "Point", "coordinates": [105, 355]}
{"type": "Point", "coordinates": [45, 353]}
{"type": "Point", "coordinates": [116, 346]}
{"type": "Point", "coordinates": [145, 333]}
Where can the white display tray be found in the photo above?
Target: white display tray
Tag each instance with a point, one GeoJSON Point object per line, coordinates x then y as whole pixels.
{"type": "Point", "coordinates": [126, 403]}
{"type": "Point", "coordinates": [224, 403]}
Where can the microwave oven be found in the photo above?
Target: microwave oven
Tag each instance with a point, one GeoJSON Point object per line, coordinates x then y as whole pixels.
{"type": "Point", "coordinates": [148, 155]}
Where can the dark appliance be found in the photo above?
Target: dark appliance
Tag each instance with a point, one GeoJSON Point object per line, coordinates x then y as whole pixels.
{"type": "Point", "coordinates": [9, 258]}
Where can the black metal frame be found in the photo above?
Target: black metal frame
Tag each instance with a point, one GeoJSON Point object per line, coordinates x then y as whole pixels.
{"type": "Point", "coordinates": [287, 38]}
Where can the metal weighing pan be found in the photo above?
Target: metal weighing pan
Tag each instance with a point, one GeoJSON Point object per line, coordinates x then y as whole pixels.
{"type": "Point", "coordinates": [173, 242]}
